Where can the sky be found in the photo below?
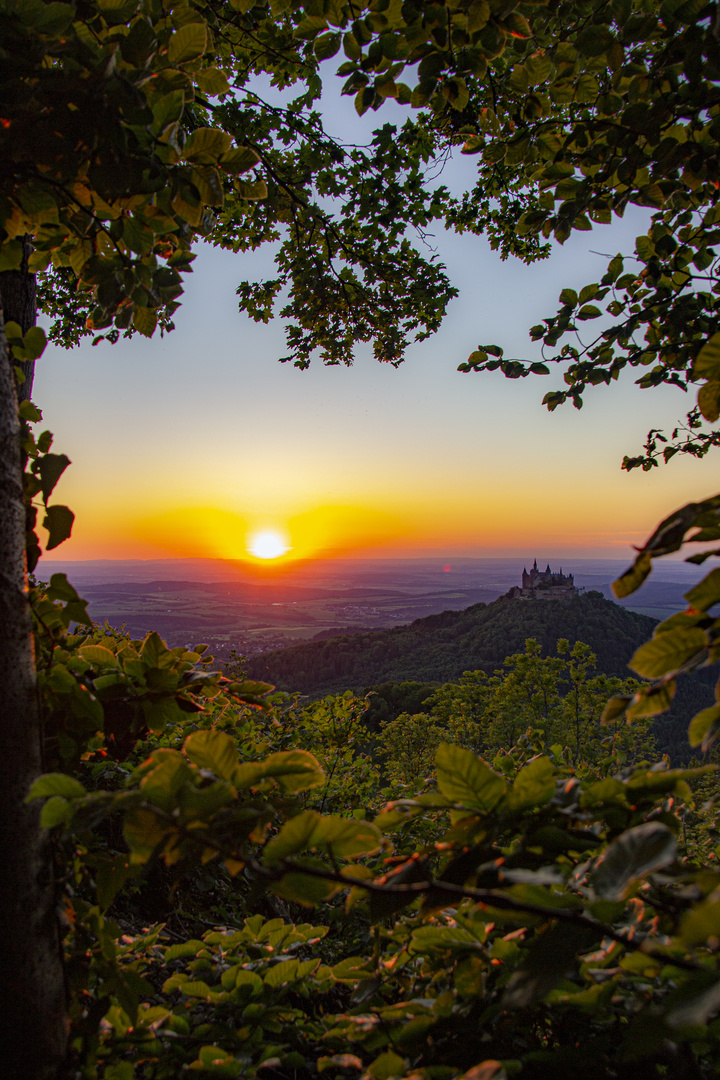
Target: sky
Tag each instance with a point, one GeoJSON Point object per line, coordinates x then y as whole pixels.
{"type": "Point", "coordinates": [189, 445]}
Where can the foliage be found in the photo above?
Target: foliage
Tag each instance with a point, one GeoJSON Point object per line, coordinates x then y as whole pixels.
{"type": "Point", "coordinates": [686, 641]}
{"type": "Point", "coordinates": [478, 639]}
{"type": "Point", "coordinates": [547, 913]}
{"type": "Point", "coordinates": [408, 745]}
{"type": "Point", "coordinates": [554, 910]}
{"type": "Point", "coordinates": [534, 889]}
{"type": "Point", "coordinates": [130, 130]}
{"type": "Point", "coordinates": [440, 647]}
{"type": "Point", "coordinates": [577, 112]}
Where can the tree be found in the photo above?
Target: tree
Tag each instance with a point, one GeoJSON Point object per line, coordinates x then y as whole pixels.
{"type": "Point", "coordinates": [576, 111]}
{"type": "Point", "coordinates": [121, 144]}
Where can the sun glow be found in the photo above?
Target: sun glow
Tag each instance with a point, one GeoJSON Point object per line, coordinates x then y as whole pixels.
{"type": "Point", "coordinates": [267, 544]}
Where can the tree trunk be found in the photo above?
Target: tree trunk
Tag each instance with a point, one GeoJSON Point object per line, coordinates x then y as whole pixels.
{"type": "Point", "coordinates": [32, 991]}
{"type": "Point", "coordinates": [18, 299]}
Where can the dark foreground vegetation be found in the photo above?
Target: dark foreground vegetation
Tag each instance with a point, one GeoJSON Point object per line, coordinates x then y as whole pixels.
{"type": "Point", "coordinates": [200, 876]}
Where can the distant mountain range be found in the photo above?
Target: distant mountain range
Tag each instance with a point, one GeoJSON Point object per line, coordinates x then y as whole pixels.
{"type": "Point", "coordinates": [440, 647]}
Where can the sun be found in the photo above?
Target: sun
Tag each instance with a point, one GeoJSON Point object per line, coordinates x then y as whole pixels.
{"type": "Point", "coordinates": [267, 544]}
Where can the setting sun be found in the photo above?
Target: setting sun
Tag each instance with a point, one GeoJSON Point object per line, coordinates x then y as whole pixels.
{"type": "Point", "coordinates": [267, 545]}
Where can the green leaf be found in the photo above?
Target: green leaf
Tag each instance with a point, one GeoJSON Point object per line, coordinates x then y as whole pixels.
{"type": "Point", "coordinates": [704, 728]}
{"type": "Point", "coordinates": [183, 948]}
{"type": "Point", "coordinates": [700, 923]}
{"type": "Point", "coordinates": [143, 833]}
{"type": "Point", "coordinates": [651, 700]}
{"type": "Point", "coordinates": [34, 343]}
{"type": "Point", "coordinates": [50, 469]}
{"type": "Point", "coordinates": [56, 784]}
{"type": "Point", "coordinates": [614, 708]}
{"type": "Point", "coordinates": [29, 412]}
{"type": "Point", "coordinates": [668, 652]}
{"type": "Point", "coordinates": [58, 521]}
{"type": "Point", "coordinates": [707, 363]}
{"type": "Point", "coordinates": [187, 43]}
{"type": "Point", "coordinates": [289, 971]}
{"type": "Point", "coordinates": [327, 45]}
{"type": "Point", "coordinates": [212, 81]}
{"type": "Point", "coordinates": [205, 146]}
{"type": "Point", "coordinates": [144, 320]}
{"type": "Point", "coordinates": [706, 593]}
{"type": "Point", "coordinates": [346, 838]}
{"type": "Point", "coordinates": [539, 68]}
{"type": "Point", "coordinates": [589, 311]}
{"type": "Point", "coordinates": [293, 771]}
{"type": "Point", "coordinates": [302, 889]}
{"type": "Point", "coordinates": [255, 189]}
{"type": "Point", "coordinates": [213, 750]}
{"type": "Point", "coordinates": [708, 400]}
{"type": "Point", "coordinates": [429, 939]}
{"type": "Point", "coordinates": [386, 1066]}
{"type": "Point", "coordinates": [98, 655]}
{"type": "Point", "coordinates": [154, 650]}
{"type": "Point", "coordinates": [56, 811]}
{"type": "Point", "coordinates": [310, 27]}
{"type": "Point", "coordinates": [534, 785]}
{"type": "Point", "coordinates": [464, 778]}
{"type": "Point", "coordinates": [633, 577]}
{"type": "Point", "coordinates": [238, 160]}
{"type": "Point", "coordinates": [635, 853]}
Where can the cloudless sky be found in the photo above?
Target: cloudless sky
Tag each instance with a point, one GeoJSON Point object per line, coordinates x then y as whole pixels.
{"type": "Point", "coordinates": [187, 445]}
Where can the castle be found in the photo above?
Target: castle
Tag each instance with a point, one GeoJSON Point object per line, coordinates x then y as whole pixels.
{"type": "Point", "coordinates": [544, 585]}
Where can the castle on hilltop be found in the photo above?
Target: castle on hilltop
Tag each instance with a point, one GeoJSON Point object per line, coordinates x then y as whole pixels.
{"type": "Point", "coordinates": [544, 585]}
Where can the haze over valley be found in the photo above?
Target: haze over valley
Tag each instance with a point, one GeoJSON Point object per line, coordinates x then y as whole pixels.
{"type": "Point", "coordinates": [257, 608]}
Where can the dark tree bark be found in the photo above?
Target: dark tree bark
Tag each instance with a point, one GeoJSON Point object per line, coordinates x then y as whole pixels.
{"type": "Point", "coordinates": [32, 990]}
{"type": "Point", "coordinates": [18, 299]}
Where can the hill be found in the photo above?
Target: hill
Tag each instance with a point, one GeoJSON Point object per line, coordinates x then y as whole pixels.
{"type": "Point", "coordinates": [440, 647]}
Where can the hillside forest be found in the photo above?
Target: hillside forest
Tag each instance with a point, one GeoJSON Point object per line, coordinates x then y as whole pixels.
{"type": "Point", "coordinates": [206, 875]}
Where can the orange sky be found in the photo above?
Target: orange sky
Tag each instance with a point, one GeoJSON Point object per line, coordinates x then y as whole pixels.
{"type": "Point", "coordinates": [188, 445]}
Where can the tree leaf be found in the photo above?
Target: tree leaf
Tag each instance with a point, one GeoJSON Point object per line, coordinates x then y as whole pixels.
{"type": "Point", "coordinates": [188, 43]}
{"type": "Point", "coordinates": [708, 400]}
{"type": "Point", "coordinates": [50, 469]}
{"type": "Point", "coordinates": [668, 652]}
{"type": "Point", "coordinates": [344, 837]}
{"type": "Point", "coordinates": [633, 577]}
{"type": "Point", "coordinates": [387, 1065]}
{"type": "Point", "coordinates": [706, 593]}
{"type": "Point", "coordinates": [205, 146]}
{"type": "Point", "coordinates": [633, 854]}
{"type": "Point", "coordinates": [464, 778]}
{"type": "Point", "coordinates": [58, 521]}
{"type": "Point", "coordinates": [56, 784]}
{"type": "Point", "coordinates": [534, 785]}
{"type": "Point", "coordinates": [293, 771]}
{"type": "Point", "coordinates": [238, 160]}
{"type": "Point", "coordinates": [214, 750]}
{"type": "Point", "coordinates": [707, 363]}
{"type": "Point", "coordinates": [144, 320]}
{"type": "Point", "coordinates": [704, 728]}
{"type": "Point", "coordinates": [56, 811]}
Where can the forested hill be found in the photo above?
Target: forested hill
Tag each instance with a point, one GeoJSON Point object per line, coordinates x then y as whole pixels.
{"type": "Point", "coordinates": [441, 647]}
